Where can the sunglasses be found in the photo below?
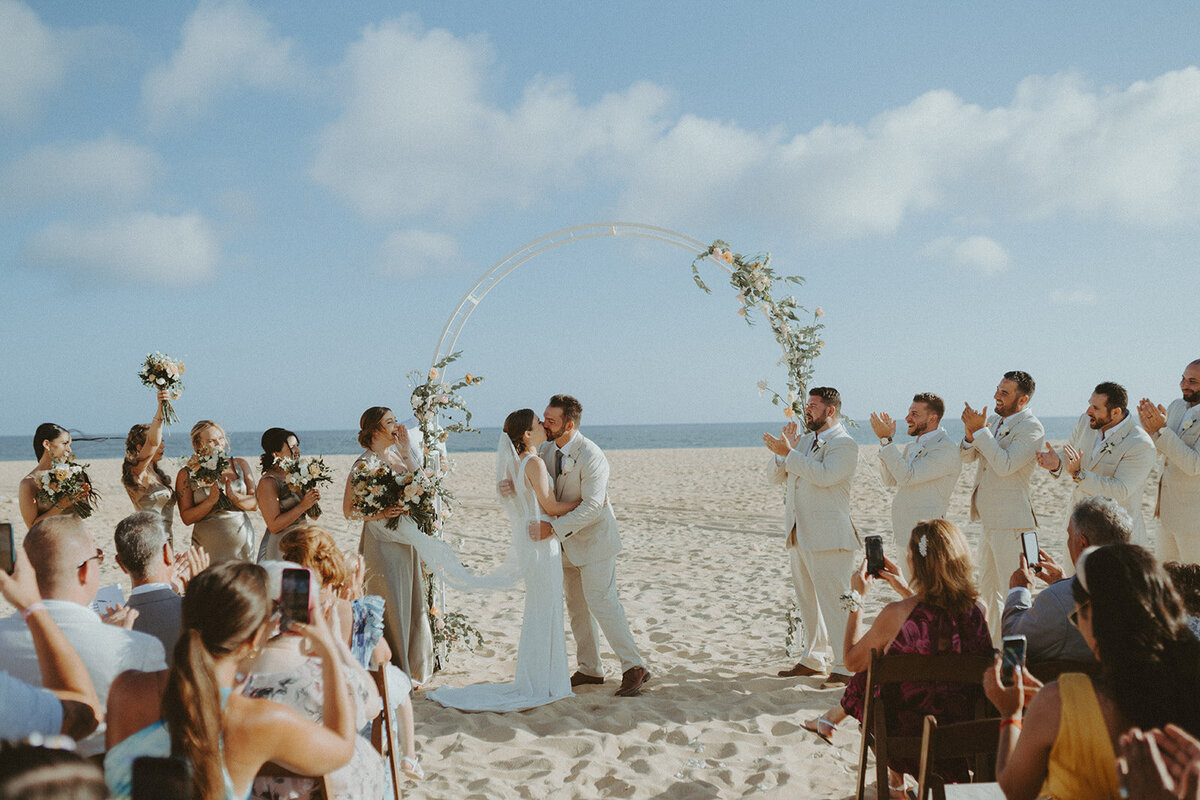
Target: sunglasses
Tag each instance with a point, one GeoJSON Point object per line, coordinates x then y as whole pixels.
{"type": "Point", "coordinates": [1073, 617]}
{"type": "Point", "coordinates": [99, 558]}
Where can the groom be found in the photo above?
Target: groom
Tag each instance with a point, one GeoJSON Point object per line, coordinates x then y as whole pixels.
{"type": "Point", "coordinates": [590, 543]}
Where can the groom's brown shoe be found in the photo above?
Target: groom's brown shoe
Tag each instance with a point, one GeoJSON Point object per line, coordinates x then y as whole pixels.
{"type": "Point", "coordinates": [799, 671]}
{"type": "Point", "coordinates": [580, 679]}
{"type": "Point", "coordinates": [632, 681]}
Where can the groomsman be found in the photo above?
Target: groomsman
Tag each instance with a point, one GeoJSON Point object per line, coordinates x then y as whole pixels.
{"type": "Point", "coordinates": [1108, 455]}
{"type": "Point", "coordinates": [925, 472]}
{"type": "Point", "coordinates": [1004, 446]}
{"type": "Point", "coordinates": [1176, 434]}
{"type": "Point", "coordinates": [822, 543]}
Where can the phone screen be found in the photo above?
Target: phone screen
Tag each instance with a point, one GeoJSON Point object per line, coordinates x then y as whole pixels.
{"type": "Point", "coordinates": [1012, 655]}
{"type": "Point", "coordinates": [1029, 543]}
{"type": "Point", "coordinates": [294, 597]}
{"type": "Point", "coordinates": [167, 778]}
{"type": "Point", "coordinates": [8, 548]}
{"type": "Point", "coordinates": [874, 555]}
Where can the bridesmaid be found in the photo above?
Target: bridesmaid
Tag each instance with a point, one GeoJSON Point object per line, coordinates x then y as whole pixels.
{"type": "Point", "coordinates": [50, 441]}
{"type": "Point", "coordinates": [226, 534]}
{"type": "Point", "coordinates": [148, 487]}
{"type": "Point", "coordinates": [282, 509]}
{"type": "Point", "coordinates": [393, 569]}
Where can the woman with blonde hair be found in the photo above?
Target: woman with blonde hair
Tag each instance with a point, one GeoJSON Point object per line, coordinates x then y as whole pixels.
{"type": "Point", "coordinates": [148, 487]}
{"type": "Point", "coordinates": [226, 533]}
{"type": "Point", "coordinates": [939, 612]}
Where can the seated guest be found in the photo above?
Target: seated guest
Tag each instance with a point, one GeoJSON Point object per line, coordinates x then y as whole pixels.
{"type": "Point", "coordinates": [1043, 621]}
{"type": "Point", "coordinates": [1133, 620]}
{"type": "Point", "coordinates": [193, 712]}
{"type": "Point", "coordinates": [66, 562]}
{"type": "Point", "coordinates": [941, 613]}
{"type": "Point", "coordinates": [1186, 578]}
{"type": "Point", "coordinates": [283, 673]}
{"type": "Point", "coordinates": [67, 704]}
{"type": "Point", "coordinates": [30, 772]}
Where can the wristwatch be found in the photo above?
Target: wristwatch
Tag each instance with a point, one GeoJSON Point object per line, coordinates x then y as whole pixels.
{"type": "Point", "coordinates": [885, 441]}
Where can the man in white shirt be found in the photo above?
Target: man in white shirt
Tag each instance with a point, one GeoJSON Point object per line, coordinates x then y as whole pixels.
{"type": "Point", "coordinates": [1108, 455]}
{"type": "Point", "coordinates": [66, 562]}
{"type": "Point", "coordinates": [926, 472]}
{"type": "Point", "coordinates": [822, 544]}
{"type": "Point", "coordinates": [1176, 434]}
{"type": "Point", "coordinates": [1004, 446]}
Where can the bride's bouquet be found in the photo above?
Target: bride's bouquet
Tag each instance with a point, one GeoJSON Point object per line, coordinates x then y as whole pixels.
{"type": "Point", "coordinates": [161, 372]}
{"type": "Point", "coordinates": [376, 488]}
{"type": "Point", "coordinates": [68, 480]}
{"type": "Point", "coordinates": [418, 492]}
{"type": "Point", "coordinates": [205, 470]}
{"type": "Point", "coordinates": [304, 473]}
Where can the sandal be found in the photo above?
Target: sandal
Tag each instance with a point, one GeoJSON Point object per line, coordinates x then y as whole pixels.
{"type": "Point", "coordinates": [412, 768]}
{"type": "Point", "coordinates": [815, 725]}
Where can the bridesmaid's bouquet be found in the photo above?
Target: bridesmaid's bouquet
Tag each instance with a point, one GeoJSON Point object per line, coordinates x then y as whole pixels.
{"type": "Point", "coordinates": [68, 480]}
{"type": "Point", "coordinates": [376, 488]}
{"type": "Point", "coordinates": [304, 473]}
{"type": "Point", "coordinates": [161, 372]}
{"type": "Point", "coordinates": [205, 469]}
{"type": "Point", "coordinates": [418, 492]}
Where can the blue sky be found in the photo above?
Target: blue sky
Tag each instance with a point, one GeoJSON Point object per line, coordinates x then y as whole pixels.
{"type": "Point", "coordinates": [294, 196]}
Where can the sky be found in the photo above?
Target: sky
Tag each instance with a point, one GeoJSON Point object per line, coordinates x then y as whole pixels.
{"type": "Point", "coordinates": [293, 197]}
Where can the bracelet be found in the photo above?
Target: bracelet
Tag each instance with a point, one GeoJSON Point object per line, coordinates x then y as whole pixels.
{"type": "Point", "coordinates": [1014, 721]}
{"type": "Point", "coordinates": [31, 609]}
{"type": "Point", "coordinates": [851, 601]}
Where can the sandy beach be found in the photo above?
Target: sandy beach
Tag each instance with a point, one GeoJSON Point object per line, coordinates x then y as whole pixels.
{"type": "Point", "coordinates": [704, 580]}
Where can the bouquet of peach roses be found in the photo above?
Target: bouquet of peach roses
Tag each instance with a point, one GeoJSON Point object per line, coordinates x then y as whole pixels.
{"type": "Point", "coordinates": [304, 473]}
{"type": "Point", "coordinates": [68, 480]}
{"type": "Point", "coordinates": [205, 469]}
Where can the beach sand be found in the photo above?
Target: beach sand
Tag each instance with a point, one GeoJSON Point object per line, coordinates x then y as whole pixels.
{"type": "Point", "coordinates": [704, 580]}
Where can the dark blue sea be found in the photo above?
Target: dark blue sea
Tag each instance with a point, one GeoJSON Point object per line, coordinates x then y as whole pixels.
{"type": "Point", "coordinates": [91, 445]}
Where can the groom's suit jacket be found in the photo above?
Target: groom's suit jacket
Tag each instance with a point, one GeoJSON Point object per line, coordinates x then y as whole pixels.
{"type": "Point", "coordinates": [1178, 505]}
{"type": "Point", "coordinates": [1119, 468]}
{"type": "Point", "coordinates": [589, 533]}
{"type": "Point", "coordinates": [1006, 449]}
{"type": "Point", "coordinates": [926, 472]}
{"type": "Point", "coordinates": [817, 500]}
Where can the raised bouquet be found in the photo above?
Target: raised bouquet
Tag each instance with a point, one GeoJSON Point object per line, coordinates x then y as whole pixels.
{"type": "Point", "coordinates": [304, 473]}
{"type": "Point", "coordinates": [205, 470]}
{"type": "Point", "coordinates": [161, 372]}
{"type": "Point", "coordinates": [68, 480]}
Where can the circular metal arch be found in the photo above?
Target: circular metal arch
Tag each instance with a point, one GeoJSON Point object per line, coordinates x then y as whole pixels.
{"type": "Point", "coordinates": [578, 233]}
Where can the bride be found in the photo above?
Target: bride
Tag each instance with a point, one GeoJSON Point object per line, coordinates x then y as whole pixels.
{"type": "Point", "coordinates": [541, 672]}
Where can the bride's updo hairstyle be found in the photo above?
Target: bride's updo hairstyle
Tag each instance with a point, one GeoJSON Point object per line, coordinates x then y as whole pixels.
{"type": "Point", "coordinates": [46, 432]}
{"type": "Point", "coordinates": [941, 563]}
{"type": "Point", "coordinates": [273, 440]}
{"type": "Point", "coordinates": [516, 425]}
{"type": "Point", "coordinates": [369, 423]}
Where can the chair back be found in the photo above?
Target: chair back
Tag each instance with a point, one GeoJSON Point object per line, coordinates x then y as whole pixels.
{"type": "Point", "coordinates": [1047, 671]}
{"type": "Point", "coordinates": [886, 670]}
{"type": "Point", "coordinates": [975, 739]}
{"type": "Point", "coordinates": [273, 770]}
{"type": "Point", "coordinates": [383, 730]}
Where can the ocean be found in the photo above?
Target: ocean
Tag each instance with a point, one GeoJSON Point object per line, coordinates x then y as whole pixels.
{"type": "Point", "coordinates": [88, 445]}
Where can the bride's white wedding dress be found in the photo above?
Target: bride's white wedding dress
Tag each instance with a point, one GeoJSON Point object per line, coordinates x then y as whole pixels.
{"type": "Point", "coordinates": [542, 671]}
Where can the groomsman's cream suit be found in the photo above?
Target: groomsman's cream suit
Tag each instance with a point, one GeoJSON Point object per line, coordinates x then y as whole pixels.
{"type": "Point", "coordinates": [822, 543]}
{"type": "Point", "coordinates": [1178, 508]}
{"type": "Point", "coordinates": [590, 543]}
{"type": "Point", "coordinates": [1006, 450]}
{"type": "Point", "coordinates": [926, 473]}
{"type": "Point", "coordinates": [1117, 468]}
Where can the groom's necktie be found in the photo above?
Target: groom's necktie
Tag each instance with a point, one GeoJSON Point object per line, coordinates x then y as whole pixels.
{"type": "Point", "coordinates": [557, 463]}
{"type": "Point", "coordinates": [816, 440]}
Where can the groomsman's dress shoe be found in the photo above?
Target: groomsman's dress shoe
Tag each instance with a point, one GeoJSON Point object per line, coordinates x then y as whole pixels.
{"type": "Point", "coordinates": [579, 679]}
{"type": "Point", "coordinates": [800, 671]}
{"type": "Point", "coordinates": [632, 681]}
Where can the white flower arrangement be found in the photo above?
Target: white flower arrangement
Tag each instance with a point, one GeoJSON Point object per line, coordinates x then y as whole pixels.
{"type": "Point", "coordinates": [304, 473]}
{"type": "Point", "coordinates": [161, 372]}
{"type": "Point", "coordinates": [568, 464]}
{"type": "Point", "coordinates": [1187, 424]}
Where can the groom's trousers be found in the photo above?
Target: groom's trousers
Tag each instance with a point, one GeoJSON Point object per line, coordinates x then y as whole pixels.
{"type": "Point", "coordinates": [821, 577]}
{"type": "Point", "coordinates": [593, 606]}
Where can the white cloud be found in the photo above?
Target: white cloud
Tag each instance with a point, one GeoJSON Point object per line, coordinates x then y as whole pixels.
{"type": "Point", "coordinates": [225, 46]}
{"type": "Point", "coordinates": [1074, 297]}
{"type": "Point", "coordinates": [106, 170]}
{"type": "Point", "coordinates": [415, 252]}
{"type": "Point", "coordinates": [976, 253]}
{"type": "Point", "coordinates": [170, 250]}
{"type": "Point", "coordinates": [33, 60]}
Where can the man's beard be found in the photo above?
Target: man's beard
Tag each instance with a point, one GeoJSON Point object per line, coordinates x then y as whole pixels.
{"type": "Point", "coordinates": [815, 423]}
{"type": "Point", "coordinates": [918, 429]}
{"type": "Point", "coordinates": [1096, 423]}
{"type": "Point", "coordinates": [1191, 398]}
{"type": "Point", "coordinates": [1006, 411]}
{"type": "Point", "coordinates": [551, 434]}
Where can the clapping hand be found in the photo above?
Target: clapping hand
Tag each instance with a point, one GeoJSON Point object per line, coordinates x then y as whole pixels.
{"type": "Point", "coordinates": [1048, 458]}
{"type": "Point", "coordinates": [1155, 764]}
{"type": "Point", "coordinates": [121, 617]}
{"type": "Point", "coordinates": [188, 565]}
{"type": "Point", "coordinates": [1154, 418]}
{"type": "Point", "coordinates": [883, 425]}
{"type": "Point", "coordinates": [973, 420]}
{"type": "Point", "coordinates": [1073, 459]}
{"type": "Point", "coordinates": [777, 446]}
{"type": "Point", "coordinates": [791, 434]}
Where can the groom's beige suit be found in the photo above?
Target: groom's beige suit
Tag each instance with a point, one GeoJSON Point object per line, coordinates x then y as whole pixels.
{"type": "Point", "coordinates": [1178, 507]}
{"type": "Point", "coordinates": [822, 543]}
{"type": "Point", "coordinates": [590, 542]}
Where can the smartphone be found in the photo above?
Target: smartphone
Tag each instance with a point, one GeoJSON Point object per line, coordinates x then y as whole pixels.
{"type": "Point", "coordinates": [8, 548]}
{"type": "Point", "coordinates": [874, 555]}
{"type": "Point", "coordinates": [1012, 655]}
{"type": "Point", "coordinates": [294, 597]}
{"type": "Point", "coordinates": [1029, 545]}
{"type": "Point", "coordinates": [166, 778]}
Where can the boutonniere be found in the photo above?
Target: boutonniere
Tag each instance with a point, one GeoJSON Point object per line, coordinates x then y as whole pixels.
{"type": "Point", "coordinates": [1002, 431]}
{"type": "Point", "coordinates": [568, 464]}
{"type": "Point", "coordinates": [1107, 447]}
{"type": "Point", "coordinates": [1187, 423]}
{"type": "Point", "coordinates": [920, 451]}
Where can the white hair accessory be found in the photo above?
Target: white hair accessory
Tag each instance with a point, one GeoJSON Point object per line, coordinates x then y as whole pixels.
{"type": "Point", "coordinates": [923, 545]}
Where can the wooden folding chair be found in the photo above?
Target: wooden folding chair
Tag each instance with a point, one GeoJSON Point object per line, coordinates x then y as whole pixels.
{"type": "Point", "coordinates": [975, 739]}
{"type": "Point", "coordinates": [383, 730]}
{"type": "Point", "coordinates": [886, 670]}
{"type": "Point", "coordinates": [273, 770]}
{"type": "Point", "coordinates": [1046, 671]}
